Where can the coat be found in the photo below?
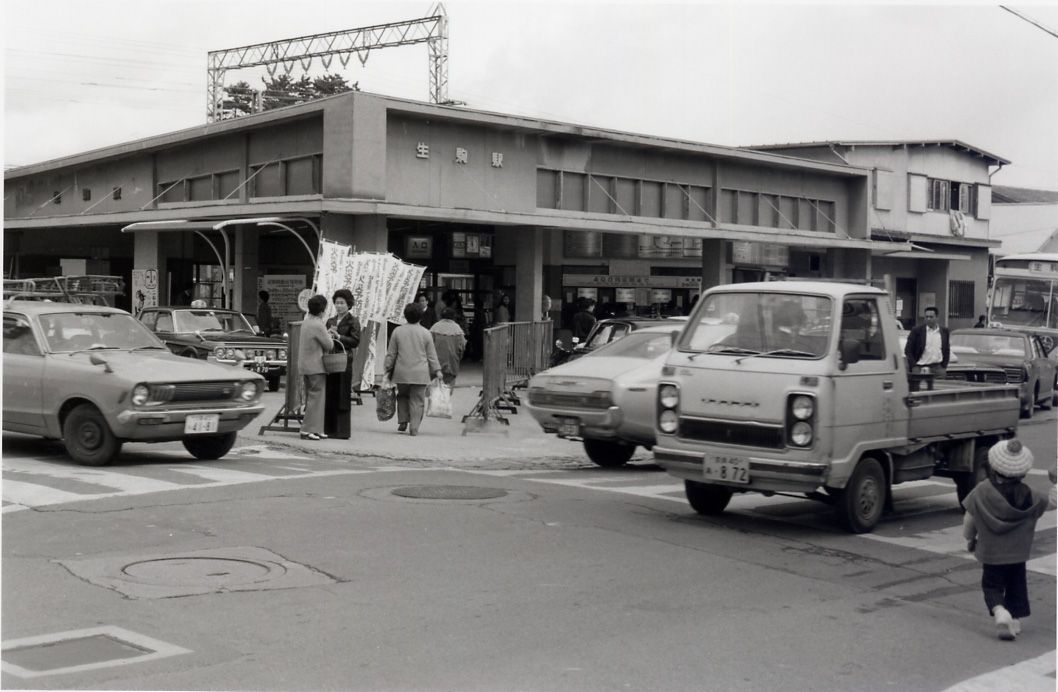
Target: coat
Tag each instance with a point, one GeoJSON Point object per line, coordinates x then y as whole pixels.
{"type": "Point", "coordinates": [312, 344]}
{"type": "Point", "coordinates": [583, 322]}
{"type": "Point", "coordinates": [348, 334]}
{"type": "Point", "coordinates": [411, 357]}
{"type": "Point", "coordinates": [1004, 532]}
{"type": "Point", "coordinates": [916, 345]}
{"type": "Point", "coordinates": [450, 343]}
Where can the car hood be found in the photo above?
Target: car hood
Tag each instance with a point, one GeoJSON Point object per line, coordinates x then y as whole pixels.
{"type": "Point", "coordinates": [231, 338]}
{"type": "Point", "coordinates": [605, 368]}
{"type": "Point", "coordinates": [160, 366]}
{"type": "Point", "coordinates": [991, 360]}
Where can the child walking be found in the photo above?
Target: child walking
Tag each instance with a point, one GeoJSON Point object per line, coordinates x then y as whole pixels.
{"type": "Point", "coordinates": [999, 525]}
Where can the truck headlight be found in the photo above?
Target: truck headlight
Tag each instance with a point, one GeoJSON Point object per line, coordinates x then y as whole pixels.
{"type": "Point", "coordinates": [668, 400]}
{"type": "Point", "coordinates": [800, 420]}
{"type": "Point", "coordinates": [668, 421]}
{"type": "Point", "coordinates": [801, 434]}
{"type": "Point", "coordinates": [802, 407]}
{"type": "Point", "coordinates": [141, 394]}
{"type": "Point", "coordinates": [669, 396]}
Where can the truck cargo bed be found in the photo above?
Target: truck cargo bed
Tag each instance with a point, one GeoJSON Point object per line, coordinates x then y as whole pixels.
{"type": "Point", "coordinates": [956, 409]}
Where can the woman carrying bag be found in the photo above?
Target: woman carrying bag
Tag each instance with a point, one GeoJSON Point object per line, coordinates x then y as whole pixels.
{"type": "Point", "coordinates": [313, 342]}
{"type": "Point", "coordinates": [411, 361]}
{"type": "Point", "coordinates": [345, 330]}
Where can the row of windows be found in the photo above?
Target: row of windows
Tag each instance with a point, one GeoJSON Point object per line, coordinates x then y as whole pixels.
{"type": "Point", "coordinates": [949, 195]}
{"type": "Point", "coordinates": [960, 299]}
{"type": "Point", "coordinates": [607, 194]}
{"type": "Point", "coordinates": [776, 211]}
{"type": "Point", "coordinates": [299, 176]}
{"type": "Point", "coordinates": [86, 195]}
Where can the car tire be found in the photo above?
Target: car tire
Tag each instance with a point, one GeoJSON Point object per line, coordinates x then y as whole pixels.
{"type": "Point", "coordinates": [87, 437]}
{"type": "Point", "coordinates": [965, 482]}
{"type": "Point", "coordinates": [189, 353]}
{"type": "Point", "coordinates": [609, 454]}
{"type": "Point", "coordinates": [860, 504]}
{"type": "Point", "coordinates": [209, 447]}
{"type": "Point", "coordinates": [273, 383]}
{"type": "Point", "coordinates": [707, 499]}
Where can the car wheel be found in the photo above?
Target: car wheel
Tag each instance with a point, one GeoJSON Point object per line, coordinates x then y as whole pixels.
{"type": "Point", "coordinates": [705, 498]}
{"type": "Point", "coordinates": [209, 447]}
{"type": "Point", "coordinates": [609, 454]}
{"type": "Point", "coordinates": [88, 438]}
{"type": "Point", "coordinates": [860, 503]}
{"type": "Point", "coordinates": [965, 482]}
{"type": "Point", "coordinates": [189, 353]}
{"type": "Point", "coordinates": [273, 383]}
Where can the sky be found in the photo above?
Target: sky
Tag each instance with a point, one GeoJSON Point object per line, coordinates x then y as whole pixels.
{"type": "Point", "coordinates": [82, 75]}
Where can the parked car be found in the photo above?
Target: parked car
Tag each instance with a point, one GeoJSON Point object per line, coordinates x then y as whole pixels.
{"type": "Point", "coordinates": [1021, 356]}
{"type": "Point", "coordinates": [224, 336]}
{"type": "Point", "coordinates": [94, 377]}
{"type": "Point", "coordinates": [612, 329]}
{"type": "Point", "coordinates": [606, 399]}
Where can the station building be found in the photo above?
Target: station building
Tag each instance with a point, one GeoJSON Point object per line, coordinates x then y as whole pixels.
{"type": "Point", "coordinates": [491, 203]}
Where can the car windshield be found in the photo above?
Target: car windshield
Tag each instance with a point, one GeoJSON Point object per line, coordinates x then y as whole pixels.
{"type": "Point", "coordinates": [989, 344]}
{"type": "Point", "coordinates": [207, 320]}
{"type": "Point", "coordinates": [639, 345]}
{"type": "Point", "coordinates": [775, 324]}
{"type": "Point", "coordinates": [66, 332]}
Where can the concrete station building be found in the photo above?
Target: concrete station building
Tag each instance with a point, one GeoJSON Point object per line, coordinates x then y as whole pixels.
{"type": "Point", "coordinates": [491, 202]}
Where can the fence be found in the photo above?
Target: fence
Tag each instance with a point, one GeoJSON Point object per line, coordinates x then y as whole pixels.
{"type": "Point", "coordinates": [512, 353]}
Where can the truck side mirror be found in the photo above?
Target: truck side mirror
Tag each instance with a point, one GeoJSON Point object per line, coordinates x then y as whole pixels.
{"type": "Point", "coordinates": [849, 352]}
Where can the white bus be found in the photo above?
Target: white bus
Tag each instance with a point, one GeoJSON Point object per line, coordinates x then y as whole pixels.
{"type": "Point", "coordinates": [1025, 295]}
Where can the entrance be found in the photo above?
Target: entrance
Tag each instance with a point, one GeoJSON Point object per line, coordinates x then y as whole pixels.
{"type": "Point", "coordinates": [906, 304]}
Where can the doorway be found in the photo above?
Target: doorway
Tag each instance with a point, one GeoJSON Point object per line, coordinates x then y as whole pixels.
{"type": "Point", "coordinates": [906, 301]}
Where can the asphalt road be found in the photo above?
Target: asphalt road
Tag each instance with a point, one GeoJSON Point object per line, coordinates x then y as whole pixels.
{"type": "Point", "coordinates": [272, 569]}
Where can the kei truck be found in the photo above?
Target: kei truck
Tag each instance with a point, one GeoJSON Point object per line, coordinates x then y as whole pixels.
{"type": "Point", "coordinates": [802, 387]}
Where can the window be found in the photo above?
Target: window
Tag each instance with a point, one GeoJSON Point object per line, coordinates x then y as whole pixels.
{"type": "Point", "coordinates": [200, 188]}
{"type": "Point", "coordinates": [86, 194]}
{"type": "Point", "coordinates": [56, 197]}
{"type": "Point", "coordinates": [117, 193]}
{"type": "Point", "coordinates": [960, 299]}
{"type": "Point", "coordinates": [860, 323]}
{"type": "Point", "coordinates": [301, 176]}
{"type": "Point", "coordinates": [172, 191]}
{"type": "Point", "coordinates": [949, 195]}
{"type": "Point", "coordinates": [546, 189]}
{"type": "Point", "coordinates": [573, 190]}
{"type": "Point", "coordinates": [148, 319]}
{"type": "Point", "coordinates": [267, 181]}
{"type": "Point", "coordinates": [165, 322]}
{"type": "Point", "coordinates": [18, 336]}
{"type": "Point", "coordinates": [937, 195]}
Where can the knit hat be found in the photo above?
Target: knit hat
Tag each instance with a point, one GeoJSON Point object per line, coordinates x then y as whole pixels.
{"type": "Point", "coordinates": [1010, 458]}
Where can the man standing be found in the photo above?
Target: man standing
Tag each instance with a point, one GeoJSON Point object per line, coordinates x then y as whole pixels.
{"type": "Point", "coordinates": [927, 346]}
{"type": "Point", "coordinates": [583, 321]}
{"type": "Point", "coordinates": [264, 313]}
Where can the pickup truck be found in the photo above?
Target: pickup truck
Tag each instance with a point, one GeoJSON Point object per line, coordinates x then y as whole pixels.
{"type": "Point", "coordinates": [802, 387]}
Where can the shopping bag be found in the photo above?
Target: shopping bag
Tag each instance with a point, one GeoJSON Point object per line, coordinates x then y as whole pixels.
{"type": "Point", "coordinates": [438, 400]}
{"type": "Point", "coordinates": [386, 400]}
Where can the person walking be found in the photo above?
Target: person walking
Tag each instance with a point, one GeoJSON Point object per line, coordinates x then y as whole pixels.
{"type": "Point", "coordinates": [584, 320]}
{"type": "Point", "coordinates": [338, 403]}
{"type": "Point", "coordinates": [927, 346]}
{"type": "Point", "coordinates": [313, 342]}
{"type": "Point", "coordinates": [999, 525]}
{"type": "Point", "coordinates": [411, 362]}
{"type": "Point", "coordinates": [450, 343]}
{"type": "Point", "coordinates": [264, 313]}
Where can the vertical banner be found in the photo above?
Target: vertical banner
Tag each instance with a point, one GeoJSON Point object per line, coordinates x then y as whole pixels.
{"type": "Point", "coordinates": [144, 290]}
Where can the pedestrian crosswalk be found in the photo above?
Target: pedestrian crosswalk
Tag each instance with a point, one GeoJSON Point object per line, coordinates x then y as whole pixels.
{"type": "Point", "coordinates": [927, 515]}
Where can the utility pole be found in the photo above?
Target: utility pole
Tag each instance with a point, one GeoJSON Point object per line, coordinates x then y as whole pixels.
{"type": "Point", "coordinates": [288, 53]}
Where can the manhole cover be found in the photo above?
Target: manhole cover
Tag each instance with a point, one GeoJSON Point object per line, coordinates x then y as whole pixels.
{"type": "Point", "coordinates": [216, 572]}
{"type": "Point", "coordinates": [449, 492]}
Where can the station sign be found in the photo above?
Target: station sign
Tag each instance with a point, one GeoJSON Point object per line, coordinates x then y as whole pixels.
{"type": "Point", "coordinates": [631, 281]}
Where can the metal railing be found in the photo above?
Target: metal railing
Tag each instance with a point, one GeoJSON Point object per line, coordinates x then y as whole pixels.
{"type": "Point", "coordinates": [512, 353]}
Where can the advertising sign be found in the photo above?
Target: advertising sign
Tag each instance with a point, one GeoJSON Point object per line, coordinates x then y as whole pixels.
{"type": "Point", "coordinates": [283, 290]}
{"type": "Point", "coordinates": [144, 289]}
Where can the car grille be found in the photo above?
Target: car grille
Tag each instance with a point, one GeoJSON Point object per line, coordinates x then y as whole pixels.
{"type": "Point", "coordinates": [1015, 375]}
{"type": "Point", "coordinates": [194, 391]}
{"type": "Point", "coordinates": [727, 432]}
{"type": "Point", "coordinates": [987, 376]}
{"type": "Point", "coordinates": [564, 400]}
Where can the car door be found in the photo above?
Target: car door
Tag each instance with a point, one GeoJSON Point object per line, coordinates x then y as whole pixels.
{"type": "Point", "coordinates": [23, 376]}
{"type": "Point", "coordinates": [1044, 365]}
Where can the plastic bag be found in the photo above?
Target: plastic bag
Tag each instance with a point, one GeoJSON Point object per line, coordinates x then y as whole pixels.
{"type": "Point", "coordinates": [438, 400]}
{"type": "Point", "coordinates": [386, 401]}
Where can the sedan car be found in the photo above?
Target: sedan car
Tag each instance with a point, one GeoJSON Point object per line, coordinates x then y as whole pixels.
{"type": "Point", "coordinates": [612, 329]}
{"type": "Point", "coordinates": [94, 377]}
{"type": "Point", "coordinates": [1020, 355]}
{"type": "Point", "coordinates": [606, 398]}
{"type": "Point", "coordinates": [224, 336]}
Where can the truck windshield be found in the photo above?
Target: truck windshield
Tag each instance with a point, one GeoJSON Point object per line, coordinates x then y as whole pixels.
{"type": "Point", "coordinates": [781, 325]}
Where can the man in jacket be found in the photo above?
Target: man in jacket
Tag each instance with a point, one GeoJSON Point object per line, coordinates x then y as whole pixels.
{"type": "Point", "coordinates": [450, 343]}
{"type": "Point", "coordinates": [583, 321]}
{"type": "Point", "coordinates": [927, 346]}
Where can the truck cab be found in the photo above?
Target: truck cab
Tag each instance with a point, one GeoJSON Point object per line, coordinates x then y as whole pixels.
{"type": "Point", "coordinates": [802, 387]}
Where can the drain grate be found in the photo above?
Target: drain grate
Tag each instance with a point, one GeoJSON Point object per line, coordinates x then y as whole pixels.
{"type": "Point", "coordinates": [448, 492]}
{"type": "Point", "coordinates": [81, 650]}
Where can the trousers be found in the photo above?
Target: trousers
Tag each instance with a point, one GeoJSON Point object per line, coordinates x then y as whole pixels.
{"type": "Point", "coordinates": [411, 404]}
{"type": "Point", "coordinates": [1006, 585]}
{"type": "Point", "coordinates": [315, 393]}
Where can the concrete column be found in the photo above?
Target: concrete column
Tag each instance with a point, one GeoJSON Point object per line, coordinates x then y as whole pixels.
{"type": "Point", "coordinates": [363, 233]}
{"type": "Point", "coordinates": [147, 253]}
{"type": "Point", "coordinates": [529, 273]}
{"type": "Point", "coordinates": [851, 264]}
{"type": "Point", "coordinates": [714, 263]}
{"type": "Point", "coordinates": [247, 268]}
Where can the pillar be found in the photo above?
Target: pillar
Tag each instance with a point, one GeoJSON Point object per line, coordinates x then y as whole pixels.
{"type": "Point", "coordinates": [148, 254]}
{"type": "Point", "coordinates": [247, 268]}
{"type": "Point", "coordinates": [529, 273]}
{"type": "Point", "coordinates": [364, 233]}
{"type": "Point", "coordinates": [714, 263]}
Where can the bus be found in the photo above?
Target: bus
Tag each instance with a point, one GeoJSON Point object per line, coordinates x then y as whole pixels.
{"type": "Point", "coordinates": [1025, 295]}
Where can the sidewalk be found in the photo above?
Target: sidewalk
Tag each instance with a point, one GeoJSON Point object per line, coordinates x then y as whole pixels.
{"type": "Point", "coordinates": [521, 444]}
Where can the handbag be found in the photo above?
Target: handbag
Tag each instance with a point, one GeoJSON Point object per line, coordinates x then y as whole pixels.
{"type": "Point", "coordinates": [438, 400]}
{"type": "Point", "coordinates": [335, 362]}
{"type": "Point", "coordinates": [386, 400]}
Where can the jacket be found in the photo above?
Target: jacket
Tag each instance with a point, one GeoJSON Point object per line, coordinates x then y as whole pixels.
{"type": "Point", "coordinates": [916, 345]}
{"type": "Point", "coordinates": [450, 343]}
{"type": "Point", "coordinates": [411, 357]}
{"type": "Point", "coordinates": [583, 321]}
{"type": "Point", "coordinates": [1004, 531]}
{"type": "Point", "coordinates": [348, 333]}
{"type": "Point", "coordinates": [312, 344]}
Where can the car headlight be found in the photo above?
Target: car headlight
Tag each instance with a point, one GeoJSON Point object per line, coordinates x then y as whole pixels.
{"type": "Point", "coordinates": [141, 394]}
{"type": "Point", "coordinates": [668, 421]}
{"type": "Point", "coordinates": [803, 407]}
{"type": "Point", "coordinates": [270, 354]}
{"type": "Point", "coordinates": [669, 396]}
{"type": "Point", "coordinates": [248, 391]}
{"type": "Point", "coordinates": [238, 354]}
{"type": "Point", "coordinates": [282, 354]}
{"type": "Point", "coordinates": [222, 353]}
{"type": "Point", "coordinates": [801, 434]}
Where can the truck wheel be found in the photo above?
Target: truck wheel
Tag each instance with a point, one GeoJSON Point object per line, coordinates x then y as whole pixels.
{"type": "Point", "coordinates": [965, 482]}
{"type": "Point", "coordinates": [88, 438]}
{"type": "Point", "coordinates": [609, 454]}
{"type": "Point", "coordinates": [209, 447]}
{"type": "Point", "coordinates": [861, 502]}
{"type": "Point", "coordinates": [705, 498]}
{"type": "Point", "coordinates": [273, 383]}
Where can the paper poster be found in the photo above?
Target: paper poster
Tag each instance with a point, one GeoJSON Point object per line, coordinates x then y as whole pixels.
{"type": "Point", "coordinates": [144, 290]}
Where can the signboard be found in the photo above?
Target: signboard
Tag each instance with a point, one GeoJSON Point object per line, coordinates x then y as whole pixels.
{"type": "Point", "coordinates": [471, 245]}
{"type": "Point", "coordinates": [592, 293]}
{"type": "Point", "coordinates": [661, 295]}
{"type": "Point", "coordinates": [625, 295]}
{"type": "Point", "coordinates": [283, 290]}
{"type": "Point", "coordinates": [419, 247]}
{"type": "Point", "coordinates": [632, 281]}
{"type": "Point", "coordinates": [144, 289]}
{"type": "Point", "coordinates": [746, 252]}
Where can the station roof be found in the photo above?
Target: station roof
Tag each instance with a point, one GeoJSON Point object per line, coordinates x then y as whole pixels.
{"type": "Point", "coordinates": [956, 144]}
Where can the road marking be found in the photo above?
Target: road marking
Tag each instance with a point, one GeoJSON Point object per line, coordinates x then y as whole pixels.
{"type": "Point", "coordinates": [153, 649]}
{"type": "Point", "coordinates": [1034, 675]}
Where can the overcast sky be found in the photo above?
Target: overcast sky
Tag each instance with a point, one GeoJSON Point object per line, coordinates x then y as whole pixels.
{"type": "Point", "coordinates": [80, 75]}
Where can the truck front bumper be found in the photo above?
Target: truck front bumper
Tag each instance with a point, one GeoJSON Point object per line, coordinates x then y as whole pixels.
{"type": "Point", "coordinates": [765, 475]}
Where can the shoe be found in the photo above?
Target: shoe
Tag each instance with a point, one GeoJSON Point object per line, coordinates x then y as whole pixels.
{"type": "Point", "coordinates": [1004, 624]}
{"type": "Point", "coordinates": [310, 436]}
{"type": "Point", "coordinates": [322, 436]}
{"type": "Point", "coordinates": [401, 427]}
{"type": "Point", "coordinates": [1017, 626]}
{"type": "Point", "coordinates": [413, 433]}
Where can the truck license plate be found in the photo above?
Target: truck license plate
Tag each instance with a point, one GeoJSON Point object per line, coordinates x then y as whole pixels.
{"type": "Point", "coordinates": [726, 469]}
{"type": "Point", "coordinates": [568, 427]}
{"type": "Point", "coordinates": [197, 423]}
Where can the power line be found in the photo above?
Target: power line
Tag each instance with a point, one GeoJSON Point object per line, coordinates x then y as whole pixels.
{"type": "Point", "coordinates": [1030, 20]}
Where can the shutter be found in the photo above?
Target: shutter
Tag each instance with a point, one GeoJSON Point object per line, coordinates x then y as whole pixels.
{"type": "Point", "coordinates": [883, 189]}
{"type": "Point", "coordinates": [984, 202]}
{"type": "Point", "coordinates": [917, 192]}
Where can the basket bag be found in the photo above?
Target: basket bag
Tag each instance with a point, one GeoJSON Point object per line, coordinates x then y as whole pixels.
{"type": "Point", "coordinates": [386, 400]}
{"type": "Point", "coordinates": [335, 362]}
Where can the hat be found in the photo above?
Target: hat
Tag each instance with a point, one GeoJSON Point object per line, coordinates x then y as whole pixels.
{"type": "Point", "coordinates": [1010, 458]}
